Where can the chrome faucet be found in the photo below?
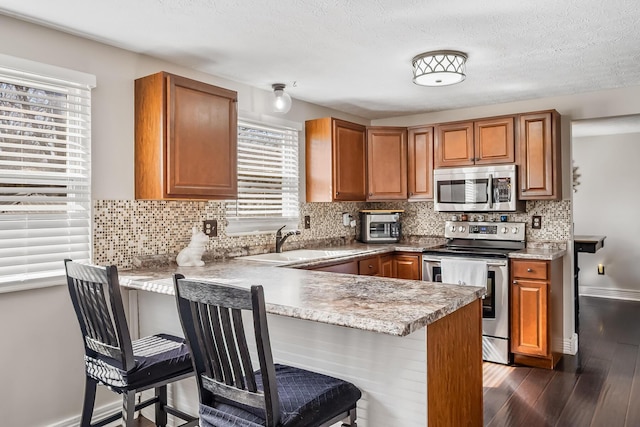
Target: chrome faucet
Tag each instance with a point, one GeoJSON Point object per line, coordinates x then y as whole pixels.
{"type": "Point", "coordinates": [280, 238]}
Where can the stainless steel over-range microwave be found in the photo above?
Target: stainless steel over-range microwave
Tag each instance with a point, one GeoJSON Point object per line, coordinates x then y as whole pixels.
{"type": "Point", "coordinates": [476, 189]}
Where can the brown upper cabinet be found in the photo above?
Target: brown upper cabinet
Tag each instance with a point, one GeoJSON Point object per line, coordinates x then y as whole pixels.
{"type": "Point", "coordinates": [540, 156]}
{"type": "Point", "coordinates": [420, 163]}
{"type": "Point", "coordinates": [185, 139]}
{"type": "Point", "coordinates": [386, 163]}
{"type": "Point", "coordinates": [487, 141]}
{"type": "Point", "coordinates": [335, 160]}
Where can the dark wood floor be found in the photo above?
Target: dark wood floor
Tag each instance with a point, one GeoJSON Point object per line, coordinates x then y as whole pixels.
{"type": "Point", "coordinates": [600, 386]}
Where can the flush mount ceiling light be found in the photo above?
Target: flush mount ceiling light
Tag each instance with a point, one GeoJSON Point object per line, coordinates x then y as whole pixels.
{"type": "Point", "coordinates": [282, 100]}
{"type": "Point", "coordinates": [439, 68]}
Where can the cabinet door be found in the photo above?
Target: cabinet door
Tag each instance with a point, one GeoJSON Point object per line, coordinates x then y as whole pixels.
{"type": "Point", "coordinates": [529, 317]}
{"type": "Point", "coordinates": [201, 140]}
{"type": "Point", "coordinates": [386, 164]}
{"type": "Point", "coordinates": [386, 266]}
{"type": "Point", "coordinates": [454, 145]}
{"type": "Point", "coordinates": [406, 267]}
{"type": "Point", "coordinates": [494, 141]}
{"type": "Point", "coordinates": [349, 163]}
{"type": "Point", "coordinates": [420, 163]}
{"type": "Point", "coordinates": [539, 145]}
{"type": "Point", "coordinates": [369, 266]}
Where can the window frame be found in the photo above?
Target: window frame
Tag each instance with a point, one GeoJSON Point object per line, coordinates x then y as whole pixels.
{"type": "Point", "coordinates": [70, 152]}
{"type": "Point", "coordinates": [239, 226]}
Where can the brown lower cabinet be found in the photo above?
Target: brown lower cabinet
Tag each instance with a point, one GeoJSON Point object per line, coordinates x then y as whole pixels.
{"type": "Point", "coordinates": [536, 311]}
{"type": "Point", "coordinates": [350, 267]}
{"type": "Point", "coordinates": [399, 265]}
{"type": "Point", "coordinates": [407, 266]}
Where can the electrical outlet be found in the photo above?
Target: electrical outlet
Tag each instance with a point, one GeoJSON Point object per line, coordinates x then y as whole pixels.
{"type": "Point", "coordinates": [307, 222]}
{"type": "Point", "coordinates": [210, 227]}
{"type": "Point", "coordinates": [536, 222]}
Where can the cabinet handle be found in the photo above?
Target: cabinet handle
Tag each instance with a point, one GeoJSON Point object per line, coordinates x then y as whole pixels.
{"type": "Point", "coordinates": [370, 266]}
{"type": "Point", "coordinates": [515, 282]}
{"type": "Point", "coordinates": [529, 270]}
{"type": "Point", "coordinates": [337, 193]}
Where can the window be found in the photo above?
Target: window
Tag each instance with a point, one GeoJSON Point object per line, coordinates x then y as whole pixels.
{"type": "Point", "coordinates": [267, 179]}
{"type": "Point", "coordinates": [45, 193]}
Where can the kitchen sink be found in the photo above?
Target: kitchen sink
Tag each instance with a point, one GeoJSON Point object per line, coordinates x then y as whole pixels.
{"type": "Point", "coordinates": [299, 255]}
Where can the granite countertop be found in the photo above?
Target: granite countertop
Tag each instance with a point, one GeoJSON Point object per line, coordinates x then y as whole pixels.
{"type": "Point", "coordinates": [545, 254]}
{"type": "Point", "coordinates": [390, 306]}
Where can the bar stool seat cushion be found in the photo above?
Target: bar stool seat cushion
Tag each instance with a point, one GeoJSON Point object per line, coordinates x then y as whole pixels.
{"type": "Point", "coordinates": [156, 357]}
{"type": "Point", "coordinates": [302, 395]}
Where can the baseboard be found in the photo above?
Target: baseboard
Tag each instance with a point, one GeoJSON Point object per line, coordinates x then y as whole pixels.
{"type": "Point", "coordinates": [625, 294]}
{"type": "Point", "coordinates": [98, 413]}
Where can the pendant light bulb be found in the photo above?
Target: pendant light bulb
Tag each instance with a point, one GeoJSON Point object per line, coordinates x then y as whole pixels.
{"type": "Point", "coordinates": [282, 100]}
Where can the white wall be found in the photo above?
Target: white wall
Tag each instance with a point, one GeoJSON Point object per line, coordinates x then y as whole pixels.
{"type": "Point", "coordinates": [34, 372]}
{"type": "Point", "coordinates": [607, 203]}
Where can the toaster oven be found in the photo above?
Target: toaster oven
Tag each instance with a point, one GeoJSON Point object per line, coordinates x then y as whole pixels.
{"type": "Point", "coordinates": [380, 226]}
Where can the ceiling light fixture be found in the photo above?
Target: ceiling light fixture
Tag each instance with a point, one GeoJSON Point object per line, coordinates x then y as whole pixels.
{"type": "Point", "coordinates": [439, 68]}
{"type": "Point", "coordinates": [282, 100]}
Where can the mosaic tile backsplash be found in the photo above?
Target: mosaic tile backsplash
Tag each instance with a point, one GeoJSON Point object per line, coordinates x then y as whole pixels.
{"type": "Point", "coordinates": [125, 231]}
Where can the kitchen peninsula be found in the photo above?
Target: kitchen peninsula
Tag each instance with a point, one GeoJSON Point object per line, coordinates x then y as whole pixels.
{"type": "Point", "coordinates": [412, 347]}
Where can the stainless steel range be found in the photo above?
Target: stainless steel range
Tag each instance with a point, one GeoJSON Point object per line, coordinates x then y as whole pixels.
{"type": "Point", "coordinates": [490, 242]}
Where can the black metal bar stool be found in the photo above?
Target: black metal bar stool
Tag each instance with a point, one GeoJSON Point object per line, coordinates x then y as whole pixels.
{"type": "Point", "coordinates": [112, 359]}
{"type": "Point", "coordinates": [231, 393]}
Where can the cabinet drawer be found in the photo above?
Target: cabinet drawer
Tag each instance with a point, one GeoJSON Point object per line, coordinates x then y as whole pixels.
{"type": "Point", "coordinates": [369, 266]}
{"type": "Point", "coordinates": [530, 269]}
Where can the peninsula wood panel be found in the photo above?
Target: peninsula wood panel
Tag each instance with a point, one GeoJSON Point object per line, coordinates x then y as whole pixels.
{"type": "Point", "coordinates": [185, 139]}
{"type": "Point", "coordinates": [420, 163]}
{"type": "Point", "coordinates": [386, 163]}
{"type": "Point", "coordinates": [494, 141]}
{"type": "Point", "coordinates": [540, 156]}
{"type": "Point", "coordinates": [454, 367]}
{"type": "Point", "coordinates": [454, 145]}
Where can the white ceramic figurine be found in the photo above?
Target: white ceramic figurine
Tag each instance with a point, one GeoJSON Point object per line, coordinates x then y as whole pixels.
{"type": "Point", "coordinates": [191, 256]}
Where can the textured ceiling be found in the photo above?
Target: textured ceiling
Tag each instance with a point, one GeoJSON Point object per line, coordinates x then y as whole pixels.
{"type": "Point", "coordinates": [355, 56]}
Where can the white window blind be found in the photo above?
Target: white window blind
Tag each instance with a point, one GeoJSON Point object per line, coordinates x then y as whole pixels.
{"type": "Point", "coordinates": [45, 200]}
{"type": "Point", "coordinates": [267, 179]}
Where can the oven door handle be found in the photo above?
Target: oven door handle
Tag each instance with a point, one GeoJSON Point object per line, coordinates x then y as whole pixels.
{"type": "Point", "coordinates": [490, 188]}
{"type": "Point", "coordinates": [489, 264]}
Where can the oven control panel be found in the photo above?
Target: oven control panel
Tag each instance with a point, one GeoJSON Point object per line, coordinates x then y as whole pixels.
{"type": "Point", "coordinates": [485, 230]}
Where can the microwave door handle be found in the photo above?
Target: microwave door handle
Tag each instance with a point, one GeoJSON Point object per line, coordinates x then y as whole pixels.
{"type": "Point", "coordinates": [490, 189]}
